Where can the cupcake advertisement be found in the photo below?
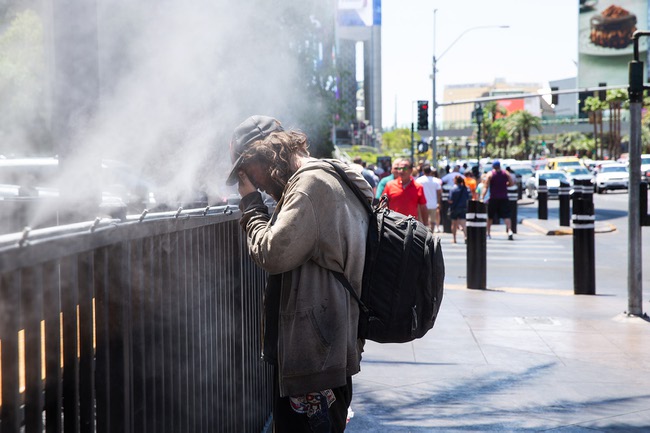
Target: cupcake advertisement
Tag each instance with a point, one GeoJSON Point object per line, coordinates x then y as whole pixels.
{"type": "Point", "coordinates": [605, 44]}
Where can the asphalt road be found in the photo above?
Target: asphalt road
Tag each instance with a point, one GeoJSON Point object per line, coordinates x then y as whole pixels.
{"type": "Point", "coordinates": [536, 260]}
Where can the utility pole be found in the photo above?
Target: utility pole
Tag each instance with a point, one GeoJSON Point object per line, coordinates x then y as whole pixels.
{"type": "Point", "coordinates": [634, 271]}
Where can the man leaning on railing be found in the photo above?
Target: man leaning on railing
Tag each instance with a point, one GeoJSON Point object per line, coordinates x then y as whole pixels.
{"type": "Point", "coordinates": [318, 226]}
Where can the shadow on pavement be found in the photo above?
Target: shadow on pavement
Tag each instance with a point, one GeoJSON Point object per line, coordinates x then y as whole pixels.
{"type": "Point", "coordinates": [462, 408]}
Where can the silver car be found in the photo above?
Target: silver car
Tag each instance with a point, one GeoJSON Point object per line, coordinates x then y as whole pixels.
{"type": "Point", "coordinates": [552, 178]}
{"type": "Point", "coordinates": [578, 173]}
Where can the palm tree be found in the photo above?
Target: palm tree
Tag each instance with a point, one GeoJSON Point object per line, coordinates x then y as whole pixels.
{"type": "Point", "coordinates": [522, 122]}
{"type": "Point", "coordinates": [594, 107]}
{"type": "Point", "coordinates": [616, 99]}
{"type": "Point", "coordinates": [493, 110]}
{"type": "Point", "coordinates": [572, 143]}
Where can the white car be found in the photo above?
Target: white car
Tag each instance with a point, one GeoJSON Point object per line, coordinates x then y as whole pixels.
{"type": "Point", "coordinates": [611, 177]}
{"type": "Point", "coordinates": [552, 178]}
{"type": "Point", "coordinates": [645, 164]}
{"type": "Point", "coordinates": [523, 170]}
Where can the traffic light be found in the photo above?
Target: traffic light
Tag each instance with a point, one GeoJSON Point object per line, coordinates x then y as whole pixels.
{"type": "Point", "coordinates": [554, 97]}
{"type": "Point", "coordinates": [423, 115]}
{"type": "Point", "coordinates": [423, 147]}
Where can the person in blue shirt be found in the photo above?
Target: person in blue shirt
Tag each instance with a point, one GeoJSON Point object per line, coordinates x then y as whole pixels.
{"type": "Point", "coordinates": [385, 180]}
{"type": "Point", "coordinates": [458, 198]}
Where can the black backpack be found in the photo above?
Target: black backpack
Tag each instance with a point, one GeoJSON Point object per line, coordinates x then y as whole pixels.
{"type": "Point", "coordinates": [403, 275]}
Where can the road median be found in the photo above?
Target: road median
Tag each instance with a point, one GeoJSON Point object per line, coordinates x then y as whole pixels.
{"type": "Point", "coordinates": [551, 228]}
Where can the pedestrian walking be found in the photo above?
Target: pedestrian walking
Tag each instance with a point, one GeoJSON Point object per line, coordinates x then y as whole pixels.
{"type": "Point", "coordinates": [497, 182]}
{"type": "Point", "coordinates": [384, 181]}
{"type": "Point", "coordinates": [318, 226]}
{"type": "Point", "coordinates": [448, 179]}
{"type": "Point", "coordinates": [470, 182]}
{"type": "Point", "coordinates": [359, 164]}
{"type": "Point", "coordinates": [458, 198]}
{"type": "Point", "coordinates": [433, 193]}
{"type": "Point", "coordinates": [405, 195]}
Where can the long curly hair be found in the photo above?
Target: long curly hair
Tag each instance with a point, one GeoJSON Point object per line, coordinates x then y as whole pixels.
{"type": "Point", "coordinates": [277, 152]}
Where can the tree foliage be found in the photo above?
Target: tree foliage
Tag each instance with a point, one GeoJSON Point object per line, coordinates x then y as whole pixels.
{"type": "Point", "coordinates": [397, 141]}
{"type": "Point", "coordinates": [22, 68]}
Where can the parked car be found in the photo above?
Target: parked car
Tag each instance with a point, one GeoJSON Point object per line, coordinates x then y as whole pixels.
{"type": "Point", "coordinates": [39, 177]}
{"type": "Point", "coordinates": [552, 178]}
{"type": "Point", "coordinates": [562, 162]}
{"type": "Point", "coordinates": [596, 165]}
{"type": "Point", "coordinates": [610, 177]}
{"type": "Point", "coordinates": [30, 192]}
{"type": "Point", "coordinates": [523, 169]}
{"type": "Point", "coordinates": [645, 166]}
{"type": "Point", "coordinates": [578, 173]}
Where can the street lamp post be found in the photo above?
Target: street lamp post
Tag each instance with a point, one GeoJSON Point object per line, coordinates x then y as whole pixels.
{"type": "Point", "coordinates": [478, 111]}
{"type": "Point", "coordinates": [434, 102]}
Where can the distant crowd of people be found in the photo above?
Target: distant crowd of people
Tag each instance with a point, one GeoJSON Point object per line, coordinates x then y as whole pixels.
{"type": "Point", "coordinates": [417, 191]}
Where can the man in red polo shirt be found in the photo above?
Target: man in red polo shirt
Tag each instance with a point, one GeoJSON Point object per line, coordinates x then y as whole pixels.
{"type": "Point", "coordinates": [405, 195]}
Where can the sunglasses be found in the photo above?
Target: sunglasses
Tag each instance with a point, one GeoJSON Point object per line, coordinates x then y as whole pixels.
{"type": "Point", "coordinates": [402, 168]}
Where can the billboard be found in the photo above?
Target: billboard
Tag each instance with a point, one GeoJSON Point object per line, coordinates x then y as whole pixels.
{"type": "Point", "coordinates": [605, 40]}
{"type": "Point", "coordinates": [532, 105]}
{"type": "Point", "coordinates": [511, 105]}
{"type": "Point", "coordinates": [359, 13]}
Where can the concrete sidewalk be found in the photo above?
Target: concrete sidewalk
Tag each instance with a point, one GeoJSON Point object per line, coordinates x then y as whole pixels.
{"type": "Point", "coordinates": [514, 359]}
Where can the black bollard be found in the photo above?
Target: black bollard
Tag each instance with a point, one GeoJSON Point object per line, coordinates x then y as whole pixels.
{"type": "Point", "coordinates": [564, 196]}
{"type": "Point", "coordinates": [445, 221]}
{"type": "Point", "coordinates": [584, 264]}
{"type": "Point", "coordinates": [542, 200]}
{"type": "Point", "coordinates": [512, 202]}
{"type": "Point", "coordinates": [643, 204]}
{"type": "Point", "coordinates": [587, 190]}
{"type": "Point", "coordinates": [476, 244]}
{"type": "Point", "coordinates": [577, 190]}
{"type": "Point", "coordinates": [520, 188]}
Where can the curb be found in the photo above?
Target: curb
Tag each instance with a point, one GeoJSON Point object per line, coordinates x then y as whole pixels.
{"type": "Point", "coordinates": [600, 228]}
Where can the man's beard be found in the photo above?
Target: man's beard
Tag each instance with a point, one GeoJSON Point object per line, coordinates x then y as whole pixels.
{"type": "Point", "coordinates": [275, 189]}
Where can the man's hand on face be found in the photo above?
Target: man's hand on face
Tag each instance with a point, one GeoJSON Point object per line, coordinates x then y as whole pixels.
{"type": "Point", "coordinates": [245, 185]}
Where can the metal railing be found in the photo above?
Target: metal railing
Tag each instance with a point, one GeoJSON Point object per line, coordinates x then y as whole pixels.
{"type": "Point", "coordinates": [145, 325]}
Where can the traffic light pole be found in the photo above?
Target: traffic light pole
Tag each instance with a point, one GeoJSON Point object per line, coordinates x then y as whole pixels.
{"type": "Point", "coordinates": [634, 268]}
{"type": "Point", "coordinates": [412, 144]}
{"type": "Point", "coordinates": [434, 106]}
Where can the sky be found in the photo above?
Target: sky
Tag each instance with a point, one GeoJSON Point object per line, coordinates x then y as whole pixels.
{"type": "Point", "coordinates": [541, 44]}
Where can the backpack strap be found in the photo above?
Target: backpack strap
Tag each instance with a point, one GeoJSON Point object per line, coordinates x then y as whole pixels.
{"type": "Point", "coordinates": [357, 191]}
{"type": "Point", "coordinates": [339, 276]}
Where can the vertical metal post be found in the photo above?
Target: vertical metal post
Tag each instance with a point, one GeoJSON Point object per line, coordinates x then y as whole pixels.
{"type": "Point", "coordinates": [412, 144]}
{"type": "Point", "coordinates": [434, 103]}
{"type": "Point", "coordinates": [634, 272]}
